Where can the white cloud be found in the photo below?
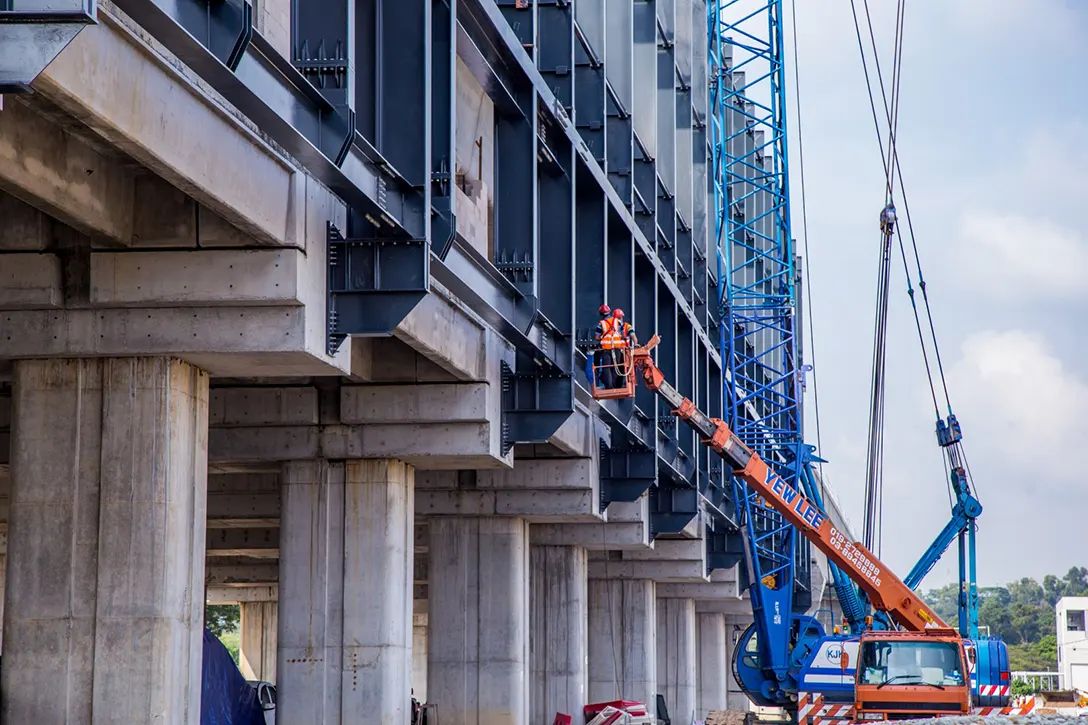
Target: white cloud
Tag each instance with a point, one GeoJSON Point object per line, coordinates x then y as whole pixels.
{"type": "Point", "coordinates": [1022, 403]}
{"type": "Point", "coordinates": [1014, 257]}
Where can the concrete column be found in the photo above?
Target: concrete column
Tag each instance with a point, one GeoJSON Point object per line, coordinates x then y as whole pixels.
{"type": "Point", "coordinates": [478, 639]}
{"type": "Point", "coordinates": [345, 630]}
{"type": "Point", "coordinates": [419, 656]}
{"type": "Point", "coordinates": [258, 647]}
{"type": "Point", "coordinates": [713, 668]}
{"type": "Point", "coordinates": [676, 657]}
{"type": "Point", "coordinates": [558, 642]}
{"type": "Point", "coordinates": [104, 605]}
{"type": "Point", "coordinates": [622, 641]}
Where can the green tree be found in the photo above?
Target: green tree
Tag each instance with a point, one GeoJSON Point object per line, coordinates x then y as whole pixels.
{"type": "Point", "coordinates": [1076, 582]}
{"type": "Point", "coordinates": [1026, 591]}
{"type": "Point", "coordinates": [995, 615]}
{"type": "Point", "coordinates": [1053, 588]}
{"type": "Point", "coordinates": [221, 619]}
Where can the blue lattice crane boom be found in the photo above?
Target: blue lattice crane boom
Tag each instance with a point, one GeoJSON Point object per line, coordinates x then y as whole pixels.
{"type": "Point", "coordinates": [759, 330]}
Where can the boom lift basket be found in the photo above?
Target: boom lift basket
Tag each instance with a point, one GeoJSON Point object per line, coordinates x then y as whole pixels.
{"type": "Point", "coordinates": [624, 370]}
{"type": "Point", "coordinates": [634, 362]}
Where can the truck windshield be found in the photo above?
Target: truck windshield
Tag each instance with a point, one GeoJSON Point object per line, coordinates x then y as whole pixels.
{"type": "Point", "coordinates": [910, 663]}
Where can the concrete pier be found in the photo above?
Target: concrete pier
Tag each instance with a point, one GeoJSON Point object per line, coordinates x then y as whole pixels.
{"type": "Point", "coordinates": [676, 664]}
{"type": "Point", "coordinates": [345, 625]}
{"type": "Point", "coordinates": [622, 640]}
{"type": "Point", "coordinates": [103, 603]}
{"type": "Point", "coordinates": [259, 623]}
{"type": "Point", "coordinates": [558, 644]}
{"type": "Point", "coordinates": [478, 620]}
{"type": "Point", "coordinates": [712, 669]}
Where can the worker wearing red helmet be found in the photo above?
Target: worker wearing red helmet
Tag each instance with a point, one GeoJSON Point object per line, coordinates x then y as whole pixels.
{"type": "Point", "coordinates": [625, 330]}
{"type": "Point", "coordinates": [614, 335]}
{"type": "Point", "coordinates": [606, 374]}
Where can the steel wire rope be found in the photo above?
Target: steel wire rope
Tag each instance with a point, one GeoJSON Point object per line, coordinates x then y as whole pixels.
{"type": "Point", "coordinates": [804, 231]}
{"type": "Point", "coordinates": [808, 266]}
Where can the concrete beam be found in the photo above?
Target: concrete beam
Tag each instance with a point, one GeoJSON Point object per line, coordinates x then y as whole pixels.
{"type": "Point", "coordinates": [225, 341]}
{"type": "Point", "coordinates": [25, 228]}
{"type": "Point", "coordinates": [416, 404]}
{"type": "Point", "coordinates": [135, 98]}
{"type": "Point", "coordinates": [241, 407]}
{"type": "Point", "coordinates": [235, 277]}
{"type": "Point", "coordinates": [734, 607]}
{"type": "Point", "coordinates": [52, 169]}
{"type": "Point", "coordinates": [659, 571]}
{"type": "Point", "coordinates": [240, 595]}
{"type": "Point", "coordinates": [534, 506]}
{"type": "Point", "coordinates": [449, 334]}
{"type": "Point", "coordinates": [243, 510]}
{"type": "Point", "coordinates": [699, 590]}
{"type": "Point", "coordinates": [670, 550]}
{"type": "Point", "coordinates": [261, 543]}
{"type": "Point", "coordinates": [592, 536]}
{"type": "Point", "coordinates": [625, 526]}
{"type": "Point", "coordinates": [241, 573]}
{"type": "Point", "coordinates": [426, 446]}
{"type": "Point", "coordinates": [30, 281]}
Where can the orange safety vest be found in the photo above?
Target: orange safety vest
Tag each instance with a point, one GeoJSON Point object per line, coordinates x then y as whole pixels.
{"type": "Point", "coordinates": [613, 335]}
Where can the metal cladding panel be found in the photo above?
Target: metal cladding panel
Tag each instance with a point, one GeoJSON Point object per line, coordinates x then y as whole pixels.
{"type": "Point", "coordinates": [600, 165]}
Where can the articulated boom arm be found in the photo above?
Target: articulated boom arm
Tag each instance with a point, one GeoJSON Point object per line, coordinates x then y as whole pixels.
{"type": "Point", "coordinates": [885, 590]}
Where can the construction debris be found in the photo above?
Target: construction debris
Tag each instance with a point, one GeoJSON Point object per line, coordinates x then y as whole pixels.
{"type": "Point", "coordinates": [726, 717]}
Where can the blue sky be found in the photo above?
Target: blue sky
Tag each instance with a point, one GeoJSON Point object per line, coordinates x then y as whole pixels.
{"type": "Point", "coordinates": [993, 141]}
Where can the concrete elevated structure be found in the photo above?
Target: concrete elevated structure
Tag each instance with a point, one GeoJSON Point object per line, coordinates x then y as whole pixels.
{"type": "Point", "coordinates": [301, 331]}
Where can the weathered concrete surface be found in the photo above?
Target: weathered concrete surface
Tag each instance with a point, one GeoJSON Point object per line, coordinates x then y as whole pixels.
{"type": "Point", "coordinates": [622, 640]}
{"type": "Point", "coordinates": [670, 560]}
{"type": "Point", "coordinates": [478, 639]}
{"type": "Point", "coordinates": [419, 655]}
{"type": "Point", "coordinates": [345, 623]}
{"type": "Point", "coordinates": [541, 491]}
{"type": "Point", "coordinates": [676, 674]}
{"type": "Point", "coordinates": [257, 656]}
{"type": "Point", "coordinates": [713, 668]}
{"type": "Point", "coordinates": [135, 98]}
{"type": "Point", "coordinates": [623, 526]}
{"type": "Point", "coordinates": [64, 175]}
{"type": "Point", "coordinates": [30, 281]}
{"type": "Point", "coordinates": [113, 454]}
{"type": "Point", "coordinates": [558, 642]}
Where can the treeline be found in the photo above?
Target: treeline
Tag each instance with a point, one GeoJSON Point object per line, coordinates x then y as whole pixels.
{"type": "Point", "coordinates": [1021, 613]}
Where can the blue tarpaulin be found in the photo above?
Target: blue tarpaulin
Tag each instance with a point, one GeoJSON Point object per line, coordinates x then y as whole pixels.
{"type": "Point", "coordinates": [225, 697]}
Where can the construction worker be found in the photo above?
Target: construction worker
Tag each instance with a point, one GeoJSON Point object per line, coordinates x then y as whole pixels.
{"type": "Point", "coordinates": [887, 220]}
{"type": "Point", "coordinates": [625, 331]}
{"type": "Point", "coordinates": [623, 336]}
{"type": "Point", "coordinates": [606, 375]}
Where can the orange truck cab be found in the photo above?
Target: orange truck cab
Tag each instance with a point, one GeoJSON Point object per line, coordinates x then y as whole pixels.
{"type": "Point", "coordinates": [903, 675]}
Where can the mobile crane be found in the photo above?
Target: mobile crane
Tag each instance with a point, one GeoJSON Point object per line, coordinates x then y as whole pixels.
{"type": "Point", "coordinates": [920, 670]}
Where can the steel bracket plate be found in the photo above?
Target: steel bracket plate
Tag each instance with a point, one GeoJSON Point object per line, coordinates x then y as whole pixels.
{"type": "Point", "coordinates": [534, 405]}
{"type": "Point", "coordinates": [372, 284]}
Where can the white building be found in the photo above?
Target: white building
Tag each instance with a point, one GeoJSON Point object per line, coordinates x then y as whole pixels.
{"type": "Point", "coordinates": [1072, 643]}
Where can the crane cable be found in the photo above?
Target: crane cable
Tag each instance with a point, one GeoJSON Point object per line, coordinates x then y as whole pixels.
{"type": "Point", "coordinates": [893, 172]}
{"type": "Point", "coordinates": [875, 452]}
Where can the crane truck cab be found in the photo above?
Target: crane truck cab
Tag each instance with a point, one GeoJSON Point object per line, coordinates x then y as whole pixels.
{"type": "Point", "coordinates": [903, 675]}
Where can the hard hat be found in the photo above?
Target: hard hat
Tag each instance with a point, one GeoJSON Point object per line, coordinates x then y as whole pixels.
{"type": "Point", "coordinates": [617, 312]}
{"type": "Point", "coordinates": [605, 309]}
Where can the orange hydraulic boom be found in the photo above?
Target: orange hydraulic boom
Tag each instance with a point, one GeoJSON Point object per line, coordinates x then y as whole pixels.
{"type": "Point", "coordinates": [886, 591]}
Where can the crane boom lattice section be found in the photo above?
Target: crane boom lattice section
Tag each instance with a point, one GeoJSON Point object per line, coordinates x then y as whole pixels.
{"type": "Point", "coordinates": [756, 265]}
